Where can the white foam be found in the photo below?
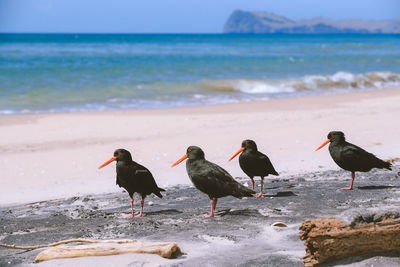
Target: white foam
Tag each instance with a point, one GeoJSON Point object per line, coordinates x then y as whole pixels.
{"type": "Point", "coordinates": [342, 76]}
{"type": "Point", "coordinates": [280, 239]}
{"type": "Point", "coordinates": [199, 96]}
{"type": "Point", "coordinates": [7, 112]}
{"type": "Point", "coordinates": [338, 80]}
{"type": "Point", "coordinates": [257, 87]}
{"type": "Point", "coordinates": [217, 240]}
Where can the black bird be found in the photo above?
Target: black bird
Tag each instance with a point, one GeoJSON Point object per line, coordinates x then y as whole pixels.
{"type": "Point", "coordinates": [134, 177]}
{"type": "Point", "coordinates": [351, 157]}
{"type": "Point", "coordinates": [210, 178]}
{"type": "Point", "coordinates": [254, 163]}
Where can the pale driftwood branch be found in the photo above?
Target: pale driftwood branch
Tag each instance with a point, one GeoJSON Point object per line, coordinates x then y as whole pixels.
{"type": "Point", "coordinates": [101, 248]}
{"type": "Point", "coordinates": [328, 239]}
{"type": "Point", "coordinates": [51, 245]}
{"type": "Point", "coordinates": [111, 247]}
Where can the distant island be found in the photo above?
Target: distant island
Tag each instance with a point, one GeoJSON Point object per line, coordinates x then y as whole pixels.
{"type": "Point", "coordinates": [266, 23]}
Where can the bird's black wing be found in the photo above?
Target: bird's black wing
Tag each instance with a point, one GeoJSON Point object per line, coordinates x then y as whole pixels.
{"type": "Point", "coordinates": [357, 159]}
{"type": "Point", "coordinates": [144, 180]}
{"type": "Point", "coordinates": [222, 181]}
{"type": "Point", "coordinates": [125, 176]}
{"type": "Point", "coordinates": [266, 164]}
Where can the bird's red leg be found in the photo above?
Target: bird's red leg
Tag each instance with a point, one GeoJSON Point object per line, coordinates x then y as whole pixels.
{"type": "Point", "coordinates": [215, 203]}
{"type": "Point", "coordinates": [353, 174]}
{"type": "Point", "coordinates": [252, 183]}
{"type": "Point", "coordinates": [141, 208]}
{"type": "Point", "coordinates": [261, 192]}
{"type": "Point", "coordinates": [133, 214]}
{"type": "Point", "coordinates": [212, 201]}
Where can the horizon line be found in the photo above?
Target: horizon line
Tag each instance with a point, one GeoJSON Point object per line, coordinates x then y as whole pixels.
{"type": "Point", "coordinates": [187, 33]}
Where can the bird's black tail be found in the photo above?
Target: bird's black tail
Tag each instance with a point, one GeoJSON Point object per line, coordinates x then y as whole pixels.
{"type": "Point", "coordinates": [242, 191]}
{"type": "Point", "coordinates": [386, 165]}
{"type": "Point", "coordinates": [158, 193]}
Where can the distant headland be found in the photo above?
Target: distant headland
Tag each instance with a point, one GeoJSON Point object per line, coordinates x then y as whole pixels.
{"type": "Point", "coordinates": [266, 23]}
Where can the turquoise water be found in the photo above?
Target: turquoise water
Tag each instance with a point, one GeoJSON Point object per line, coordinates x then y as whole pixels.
{"type": "Point", "coordinates": [76, 72]}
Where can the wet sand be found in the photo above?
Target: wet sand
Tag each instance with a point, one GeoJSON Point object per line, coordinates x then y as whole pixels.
{"type": "Point", "coordinates": [241, 235]}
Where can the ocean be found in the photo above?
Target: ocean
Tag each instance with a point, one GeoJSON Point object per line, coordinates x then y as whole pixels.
{"type": "Point", "coordinates": [50, 73]}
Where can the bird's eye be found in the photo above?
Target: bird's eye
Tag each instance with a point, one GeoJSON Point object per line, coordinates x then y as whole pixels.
{"type": "Point", "coordinates": [119, 152]}
{"type": "Point", "coordinates": [189, 150]}
{"type": "Point", "coordinates": [332, 136]}
{"type": "Point", "coordinates": [247, 143]}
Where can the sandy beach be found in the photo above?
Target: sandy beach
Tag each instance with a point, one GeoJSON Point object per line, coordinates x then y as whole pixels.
{"type": "Point", "coordinates": [53, 158]}
{"type": "Point", "coordinates": [56, 155]}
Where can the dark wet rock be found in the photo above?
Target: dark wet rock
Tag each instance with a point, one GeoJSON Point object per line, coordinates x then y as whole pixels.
{"type": "Point", "coordinates": [282, 194]}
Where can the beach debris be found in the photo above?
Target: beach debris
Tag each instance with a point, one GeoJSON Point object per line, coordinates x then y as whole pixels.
{"type": "Point", "coordinates": [393, 160]}
{"type": "Point", "coordinates": [49, 245]}
{"type": "Point", "coordinates": [282, 194]}
{"type": "Point", "coordinates": [329, 239]}
{"type": "Point", "coordinates": [222, 212]}
{"type": "Point", "coordinates": [169, 250]}
{"type": "Point", "coordinates": [289, 186]}
{"type": "Point", "coordinates": [279, 224]}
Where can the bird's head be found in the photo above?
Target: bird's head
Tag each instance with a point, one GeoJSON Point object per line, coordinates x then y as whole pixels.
{"type": "Point", "coordinates": [246, 145]}
{"type": "Point", "coordinates": [192, 153]}
{"type": "Point", "coordinates": [249, 144]}
{"type": "Point", "coordinates": [336, 136]}
{"type": "Point", "coordinates": [333, 137]}
{"type": "Point", "coordinates": [119, 155]}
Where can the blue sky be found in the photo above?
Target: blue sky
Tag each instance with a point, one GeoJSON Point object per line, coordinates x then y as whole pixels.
{"type": "Point", "coordinates": [170, 16]}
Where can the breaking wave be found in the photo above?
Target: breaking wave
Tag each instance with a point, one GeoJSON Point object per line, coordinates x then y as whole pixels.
{"type": "Point", "coordinates": [315, 83]}
{"type": "Point", "coordinates": [169, 95]}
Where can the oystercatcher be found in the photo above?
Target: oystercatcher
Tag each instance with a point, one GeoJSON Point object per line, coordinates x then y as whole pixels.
{"type": "Point", "coordinates": [351, 157]}
{"type": "Point", "coordinates": [210, 178]}
{"type": "Point", "coordinates": [134, 177]}
{"type": "Point", "coordinates": [254, 163]}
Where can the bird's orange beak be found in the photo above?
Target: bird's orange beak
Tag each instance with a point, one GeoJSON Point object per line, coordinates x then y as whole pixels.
{"type": "Point", "coordinates": [108, 162]}
{"type": "Point", "coordinates": [321, 146]}
{"type": "Point", "coordinates": [180, 160]}
{"type": "Point", "coordinates": [237, 153]}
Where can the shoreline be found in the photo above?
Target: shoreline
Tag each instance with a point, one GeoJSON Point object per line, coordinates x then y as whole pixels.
{"type": "Point", "coordinates": [46, 156]}
{"type": "Point", "coordinates": [212, 108]}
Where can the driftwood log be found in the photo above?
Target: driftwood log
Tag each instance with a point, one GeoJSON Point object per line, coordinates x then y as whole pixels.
{"type": "Point", "coordinates": [328, 239]}
{"type": "Point", "coordinates": [169, 250]}
{"type": "Point", "coordinates": [110, 247]}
